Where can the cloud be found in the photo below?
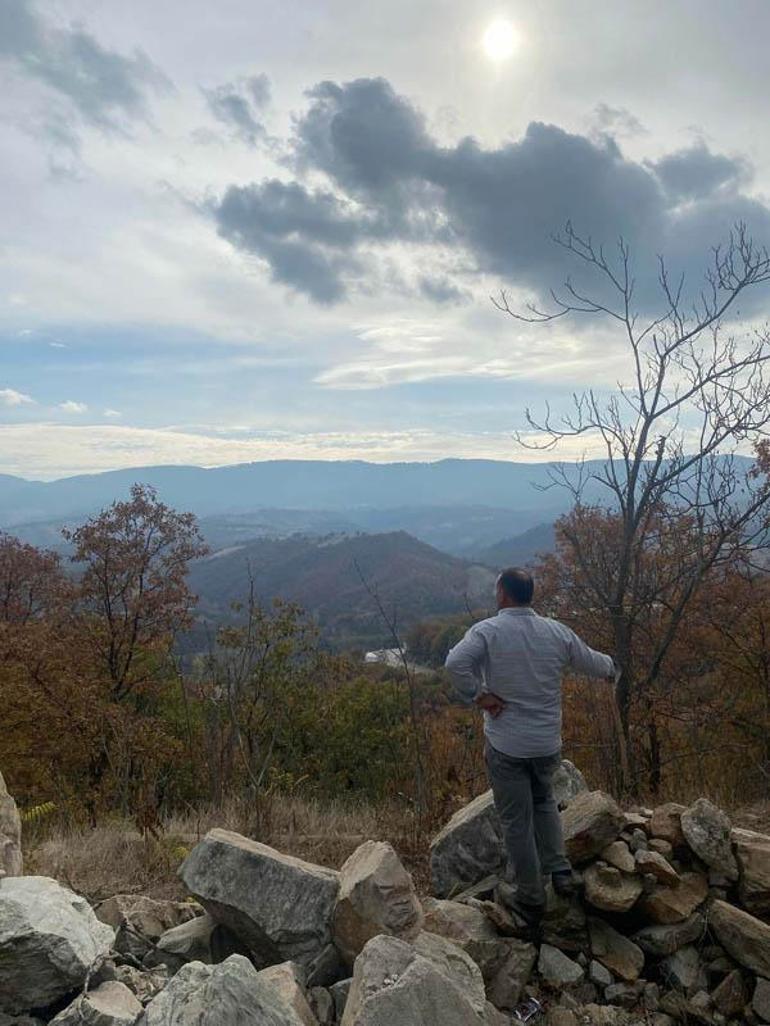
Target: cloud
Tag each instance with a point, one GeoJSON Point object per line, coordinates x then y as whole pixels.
{"type": "Point", "coordinates": [237, 103]}
{"type": "Point", "coordinates": [389, 183]}
{"type": "Point", "coordinates": [103, 87]}
{"type": "Point", "coordinates": [10, 397]}
{"type": "Point", "coordinates": [617, 121]}
{"type": "Point", "coordinates": [111, 413]}
{"type": "Point", "coordinates": [71, 406]}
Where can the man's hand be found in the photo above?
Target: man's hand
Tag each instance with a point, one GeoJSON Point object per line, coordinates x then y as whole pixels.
{"type": "Point", "coordinates": [490, 703]}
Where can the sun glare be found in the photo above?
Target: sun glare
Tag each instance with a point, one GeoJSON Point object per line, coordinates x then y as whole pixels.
{"type": "Point", "coordinates": [500, 40]}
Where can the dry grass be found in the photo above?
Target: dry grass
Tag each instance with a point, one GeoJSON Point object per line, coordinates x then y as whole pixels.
{"type": "Point", "coordinates": [114, 857]}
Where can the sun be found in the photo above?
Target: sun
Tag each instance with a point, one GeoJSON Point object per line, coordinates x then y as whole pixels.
{"type": "Point", "coordinates": [500, 40]}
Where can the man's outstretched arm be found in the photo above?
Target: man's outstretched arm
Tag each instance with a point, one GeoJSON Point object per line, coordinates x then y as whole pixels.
{"type": "Point", "coordinates": [588, 661]}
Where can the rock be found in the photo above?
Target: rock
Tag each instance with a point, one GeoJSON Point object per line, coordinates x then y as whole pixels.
{"type": "Point", "coordinates": [665, 823]}
{"type": "Point", "coordinates": [611, 893]}
{"type": "Point", "coordinates": [10, 834]}
{"type": "Point", "coordinates": [49, 938]}
{"type": "Point", "coordinates": [394, 984]}
{"type": "Point", "coordinates": [143, 984]}
{"type": "Point", "coordinates": [505, 987]}
{"type": "Point", "coordinates": [376, 895]}
{"type": "Point", "coordinates": [322, 1005]}
{"type": "Point", "coordinates": [286, 978]}
{"type": "Point", "coordinates": [731, 995]}
{"type": "Point", "coordinates": [621, 994]}
{"type": "Point", "coordinates": [638, 841]}
{"type": "Point", "coordinates": [567, 782]}
{"type": "Point", "coordinates": [619, 855]}
{"type": "Point", "coordinates": [653, 863]}
{"type": "Point", "coordinates": [560, 1017]}
{"type": "Point", "coordinates": [743, 936]}
{"type": "Point", "coordinates": [556, 969]}
{"type": "Point", "coordinates": [326, 968]}
{"type": "Point", "coordinates": [471, 929]}
{"type": "Point", "coordinates": [339, 992]}
{"type": "Point", "coordinates": [455, 965]}
{"type": "Point", "coordinates": [651, 997]}
{"type": "Point", "coordinates": [616, 952]}
{"type": "Point", "coordinates": [188, 942]}
{"type": "Point", "coordinates": [675, 904]}
{"type": "Point", "coordinates": [109, 1004]}
{"type": "Point", "coordinates": [683, 970]}
{"type": "Point", "coordinates": [707, 831]}
{"type": "Point", "coordinates": [564, 924]}
{"type": "Point", "coordinates": [279, 906]}
{"type": "Point", "coordinates": [599, 974]}
{"type": "Point", "coordinates": [230, 993]}
{"type": "Point", "coordinates": [140, 921]}
{"type": "Point", "coordinates": [667, 938]}
{"type": "Point", "coordinates": [468, 848]}
{"type": "Point", "coordinates": [662, 847]}
{"type": "Point", "coordinates": [752, 852]}
{"type": "Point", "coordinates": [590, 822]}
{"type": "Point", "coordinates": [760, 1001]}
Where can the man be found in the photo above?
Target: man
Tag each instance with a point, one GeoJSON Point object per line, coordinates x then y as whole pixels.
{"type": "Point", "coordinates": [511, 666]}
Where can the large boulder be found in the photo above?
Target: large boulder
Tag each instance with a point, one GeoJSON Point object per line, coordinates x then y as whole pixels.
{"type": "Point", "coordinates": [49, 939]}
{"type": "Point", "coordinates": [666, 824]}
{"type": "Point", "coordinates": [395, 984]}
{"type": "Point", "coordinates": [10, 834]}
{"type": "Point", "coordinates": [556, 969]}
{"type": "Point", "coordinates": [469, 928]}
{"type": "Point", "coordinates": [707, 831]}
{"type": "Point", "coordinates": [280, 907]}
{"type": "Point", "coordinates": [376, 895]}
{"type": "Point", "coordinates": [590, 822]}
{"type": "Point", "coordinates": [743, 936]}
{"type": "Point", "coordinates": [229, 994]}
{"type": "Point", "coordinates": [287, 979]}
{"type": "Point", "coordinates": [109, 1004]}
{"type": "Point", "coordinates": [752, 851]}
{"type": "Point", "coordinates": [665, 939]}
{"type": "Point", "coordinates": [139, 921]}
{"type": "Point", "coordinates": [468, 848]}
{"type": "Point", "coordinates": [505, 987]}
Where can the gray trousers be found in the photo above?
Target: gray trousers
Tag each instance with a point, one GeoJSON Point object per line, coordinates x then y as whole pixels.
{"type": "Point", "coordinates": [530, 819]}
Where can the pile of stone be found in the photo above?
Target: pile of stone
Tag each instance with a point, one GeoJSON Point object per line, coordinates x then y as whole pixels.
{"type": "Point", "coordinates": [670, 925]}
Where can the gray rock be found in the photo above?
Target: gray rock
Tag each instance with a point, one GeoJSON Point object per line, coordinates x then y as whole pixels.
{"type": "Point", "coordinates": [665, 939]}
{"type": "Point", "coordinates": [654, 864]}
{"type": "Point", "coordinates": [675, 904]}
{"type": "Point", "coordinates": [556, 969]}
{"type": "Point", "coordinates": [743, 936]}
{"type": "Point", "coordinates": [469, 927]}
{"type": "Point", "coordinates": [731, 996]}
{"type": "Point", "coordinates": [339, 992]}
{"type": "Point", "coordinates": [376, 895]}
{"type": "Point", "coordinates": [109, 1004]}
{"type": "Point", "coordinates": [505, 987]}
{"type": "Point", "coordinates": [10, 834]}
{"type": "Point", "coordinates": [620, 955]}
{"type": "Point", "coordinates": [143, 984]}
{"type": "Point", "coordinates": [188, 942]}
{"type": "Point", "coordinates": [567, 782]}
{"type": "Point", "coordinates": [683, 970]}
{"type": "Point", "coordinates": [564, 925]}
{"type": "Point", "coordinates": [326, 968]}
{"type": "Point", "coordinates": [752, 852]}
{"type": "Point", "coordinates": [665, 823]}
{"type": "Point", "coordinates": [322, 1005]}
{"type": "Point", "coordinates": [599, 974]}
{"type": "Point", "coordinates": [394, 984]}
{"type": "Point", "coordinates": [230, 993]}
{"type": "Point", "coordinates": [707, 831]}
{"type": "Point", "coordinates": [662, 847]}
{"type": "Point", "coordinates": [455, 965]}
{"type": "Point", "coordinates": [590, 822]}
{"type": "Point", "coordinates": [760, 1001]}
{"type": "Point", "coordinates": [140, 921]}
{"type": "Point", "coordinates": [467, 849]}
{"type": "Point", "coordinates": [49, 938]}
{"type": "Point", "coordinates": [622, 994]}
{"type": "Point", "coordinates": [279, 906]}
{"type": "Point", "coordinates": [619, 855]}
{"type": "Point", "coordinates": [609, 889]}
{"type": "Point", "coordinates": [638, 841]}
{"type": "Point", "coordinates": [288, 981]}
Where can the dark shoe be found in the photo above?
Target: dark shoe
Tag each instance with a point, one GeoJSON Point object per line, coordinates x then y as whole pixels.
{"type": "Point", "coordinates": [564, 883]}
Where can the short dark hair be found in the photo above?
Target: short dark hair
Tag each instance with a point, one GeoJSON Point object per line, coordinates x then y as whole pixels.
{"type": "Point", "coordinates": [517, 584]}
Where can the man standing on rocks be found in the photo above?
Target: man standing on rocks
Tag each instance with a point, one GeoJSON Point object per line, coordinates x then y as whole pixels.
{"type": "Point", "coordinates": [511, 666]}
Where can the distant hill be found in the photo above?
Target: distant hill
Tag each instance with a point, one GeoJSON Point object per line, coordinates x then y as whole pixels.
{"type": "Point", "coordinates": [413, 580]}
{"type": "Point", "coordinates": [292, 484]}
{"type": "Point", "coordinates": [519, 550]}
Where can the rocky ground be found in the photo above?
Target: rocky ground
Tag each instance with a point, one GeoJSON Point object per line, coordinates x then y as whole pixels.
{"type": "Point", "coordinates": [670, 925]}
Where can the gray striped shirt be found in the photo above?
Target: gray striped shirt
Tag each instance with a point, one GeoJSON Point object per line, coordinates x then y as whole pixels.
{"type": "Point", "coordinates": [521, 656]}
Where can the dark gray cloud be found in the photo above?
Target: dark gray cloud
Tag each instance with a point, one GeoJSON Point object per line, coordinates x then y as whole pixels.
{"type": "Point", "coordinates": [697, 172]}
{"type": "Point", "coordinates": [391, 182]}
{"type": "Point", "coordinates": [237, 104]}
{"type": "Point", "coordinates": [103, 87]}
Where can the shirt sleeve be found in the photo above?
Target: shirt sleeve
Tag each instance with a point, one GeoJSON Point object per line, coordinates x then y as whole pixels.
{"type": "Point", "coordinates": [588, 661]}
{"type": "Point", "coordinates": [465, 662]}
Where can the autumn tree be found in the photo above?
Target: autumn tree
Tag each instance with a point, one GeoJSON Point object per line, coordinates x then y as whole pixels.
{"type": "Point", "coordinates": [693, 399]}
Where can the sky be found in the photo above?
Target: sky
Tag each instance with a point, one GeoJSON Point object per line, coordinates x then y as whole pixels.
{"type": "Point", "coordinates": [271, 229]}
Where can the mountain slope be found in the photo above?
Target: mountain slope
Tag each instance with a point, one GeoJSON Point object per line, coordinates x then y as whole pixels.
{"type": "Point", "coordinates": [519, 550]}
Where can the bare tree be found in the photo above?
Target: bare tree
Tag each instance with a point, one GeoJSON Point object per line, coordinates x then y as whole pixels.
{"type": "Point", "coordinates": [696, 396]}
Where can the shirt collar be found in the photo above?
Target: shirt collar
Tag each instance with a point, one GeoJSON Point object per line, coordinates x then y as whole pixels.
{"type": "Point", "coordinates": [518, 611]}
